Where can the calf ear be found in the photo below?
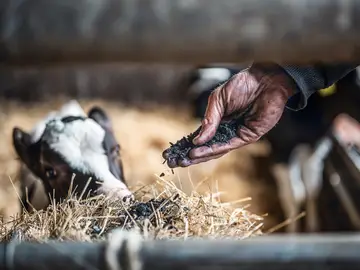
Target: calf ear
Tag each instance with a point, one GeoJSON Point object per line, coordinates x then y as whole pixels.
{"type": "Point", "coordinates": [100, 117]}
{"type": "Point", "coordinates": [110, 143]}
{"type": "Point", "coordinates": [22, 144]}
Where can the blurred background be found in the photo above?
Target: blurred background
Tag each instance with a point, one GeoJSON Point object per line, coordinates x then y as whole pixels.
{"type": "Point", "coordinates": [152, 105]}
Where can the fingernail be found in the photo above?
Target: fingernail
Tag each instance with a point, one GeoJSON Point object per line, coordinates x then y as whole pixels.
{"type": "Point", "coordinates": [184, 163]}
{"type": "Point", "coordinates": [195, 140]}
{"type": "Point", "coordinates": [165, 154]}
{"type": "Point", "coordinates": [204, 123]}
{"type": "Point", "coordinates": [172, 163]}
{"type": "Point", "coordinates": [193, 153]}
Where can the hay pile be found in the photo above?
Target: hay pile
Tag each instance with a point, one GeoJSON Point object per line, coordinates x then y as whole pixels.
{"type": "Point", "coordinates": [143, 136]}
{"type": "Point", "coordinates": [169, 214]}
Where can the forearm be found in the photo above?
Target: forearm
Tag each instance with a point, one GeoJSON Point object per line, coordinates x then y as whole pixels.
{"type": "Point", "coordinates": [310, 79]}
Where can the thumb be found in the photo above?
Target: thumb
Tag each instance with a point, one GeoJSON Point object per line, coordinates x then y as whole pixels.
{"type": "Point", "coordinates": [210, 123]}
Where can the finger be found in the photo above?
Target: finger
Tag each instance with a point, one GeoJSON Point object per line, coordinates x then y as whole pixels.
{"type": "Point", "coordinates": [244, 137]}
{"type": "Point", "coordinates": [212, 118]}
{"type": "Point", "coordinates": [206, 159]}
{"type": "Point", "coordinates": [257, 122]}
{"type": "Point", "coordinates": [189, 162]}
{"type": "Point", "coordinates": [216, 149]}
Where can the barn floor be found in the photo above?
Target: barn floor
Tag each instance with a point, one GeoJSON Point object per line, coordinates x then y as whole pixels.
{"type": "Point", "coordinates": [143, 136]}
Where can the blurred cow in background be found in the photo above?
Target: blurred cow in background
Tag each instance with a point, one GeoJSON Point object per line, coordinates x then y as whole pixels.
{"type": "Point", "coordinates": [296, 140]}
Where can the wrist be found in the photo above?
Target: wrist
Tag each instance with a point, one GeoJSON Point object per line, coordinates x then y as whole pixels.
{"type": "Point", "coordinates": [275, 75]}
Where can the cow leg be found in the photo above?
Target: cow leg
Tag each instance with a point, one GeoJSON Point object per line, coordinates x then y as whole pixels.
{"type": "Point", "coordinates": [286, 196]}
{"type": "Point", "coordinates": [312, 176]}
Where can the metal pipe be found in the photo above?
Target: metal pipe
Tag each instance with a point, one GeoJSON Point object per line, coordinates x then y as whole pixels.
{"type": "Point", "coordinates": [186, 31]}
{"type": "Point", "coordinates": [127, 251]}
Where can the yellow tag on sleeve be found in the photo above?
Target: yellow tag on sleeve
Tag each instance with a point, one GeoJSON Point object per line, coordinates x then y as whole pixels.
{"type": "Point", "coordinates": [328, 91]}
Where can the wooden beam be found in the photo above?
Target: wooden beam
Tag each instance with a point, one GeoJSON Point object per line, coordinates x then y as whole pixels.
{"type": "Point", "coordinates": [179, 31]}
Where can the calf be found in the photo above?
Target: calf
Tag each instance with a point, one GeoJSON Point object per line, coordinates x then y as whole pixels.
{"type": "Point", "coordinates": [66, 143]}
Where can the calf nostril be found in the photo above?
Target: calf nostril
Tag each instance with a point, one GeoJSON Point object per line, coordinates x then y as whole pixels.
{"type": "Point", "coordinates": [129, 199]}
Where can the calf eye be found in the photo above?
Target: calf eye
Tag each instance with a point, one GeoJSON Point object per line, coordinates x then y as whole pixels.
{"type": "Point", "coordinates": [50, 173]}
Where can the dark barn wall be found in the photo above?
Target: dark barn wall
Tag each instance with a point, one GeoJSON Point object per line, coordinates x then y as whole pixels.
{"type": "Point", "coordinates": [130, 83]}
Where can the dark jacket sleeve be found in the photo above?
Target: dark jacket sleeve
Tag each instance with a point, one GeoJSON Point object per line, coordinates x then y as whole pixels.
{"type": "Point", "coordinates": [310, 79]}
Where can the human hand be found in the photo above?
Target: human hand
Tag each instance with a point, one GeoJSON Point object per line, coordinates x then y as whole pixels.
{"type": "Point", "coordinates": [264, 89]}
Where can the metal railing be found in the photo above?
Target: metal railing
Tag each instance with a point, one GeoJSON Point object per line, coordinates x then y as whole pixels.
{"type": "Point", "coordinates": [329, 173]}
{"type": "Point", "coordinates": [126, 251]}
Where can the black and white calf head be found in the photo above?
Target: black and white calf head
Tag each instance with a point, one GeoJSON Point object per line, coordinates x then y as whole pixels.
{"type": "Point", "coordinates": [70, 142]}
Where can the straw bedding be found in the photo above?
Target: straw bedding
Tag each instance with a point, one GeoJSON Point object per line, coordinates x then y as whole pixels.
{"type": "Point", "coordinates": [206, 200]}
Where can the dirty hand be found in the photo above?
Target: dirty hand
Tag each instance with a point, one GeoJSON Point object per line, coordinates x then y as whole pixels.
{"type": "Point", "coordinates": [265, 87]}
